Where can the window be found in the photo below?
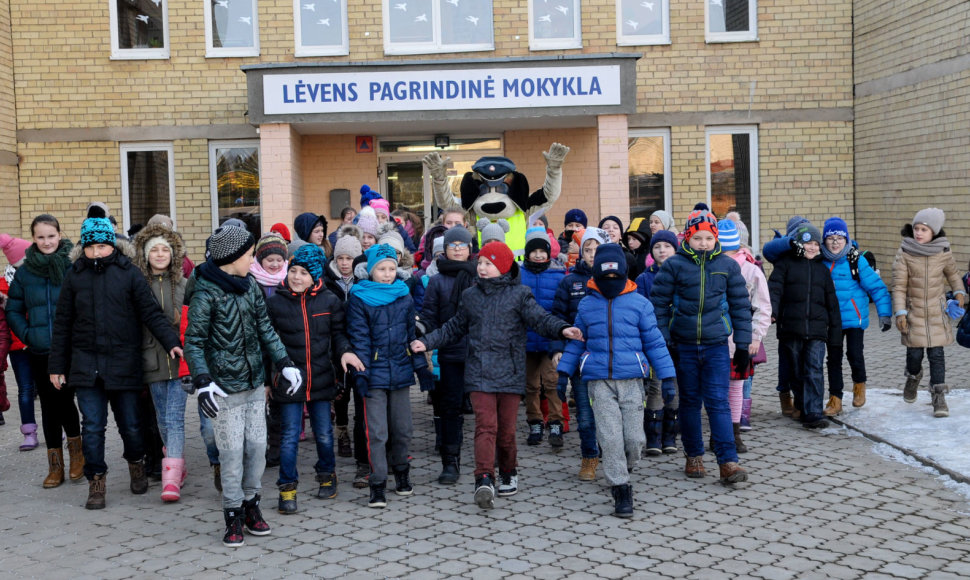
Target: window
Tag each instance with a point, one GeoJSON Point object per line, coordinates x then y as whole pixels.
{"type": "Point", "coordinates": [731, 20]}
{"type": "Point", "coordinates": [424, 26]}
{"type": "Point", "coordinates": [147, 182]}
{"type": "Point", "coordinates": [321, 27]}
{"type": "Point", "coordinates": [234, 181]}
{"type": "Point", "coordinates": [642, 22]}
{"type": "Point", "coordinates": [732, 174]}
{"type": "Point", "coordinates": [554, 25]}
{"type": "Point", "coordinates": [139, 29]}
{"type": "Point", "coordinates": [649, 160]}
{"type": "Point", "coordinates": [231, 28]}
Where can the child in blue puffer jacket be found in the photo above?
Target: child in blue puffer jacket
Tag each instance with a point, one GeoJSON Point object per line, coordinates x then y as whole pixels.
{"type": "Point", "coordinates": [855, 282]}
{"type": "Point", "coordinates": [621, 335]}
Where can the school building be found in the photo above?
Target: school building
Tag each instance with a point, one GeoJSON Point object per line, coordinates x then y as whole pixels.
{"type": "Point", "coordinates": [263, 109]}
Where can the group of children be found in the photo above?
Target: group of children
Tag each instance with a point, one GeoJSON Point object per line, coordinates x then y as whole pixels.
{"type": "Point", "coordinates": [647, 326]}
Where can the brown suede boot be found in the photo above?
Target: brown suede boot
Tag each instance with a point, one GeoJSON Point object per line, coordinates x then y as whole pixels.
{"type": "Point", "coordinates": [858, 394]}
{"type": "Point", "coordinates": [731, 472]}
{"type": "Point", "coordinates": [833, 407]}
{"type": "Point", "coordinates": [139, 481]}
{"type": "Point", "coordinates": [77, 458]}
{"type": "Point", "coordinates": [695, 467]}
{"type": "Point", "coordinates": [787, 403]}
{"type": "Point", "coordinates": [96, 491]}
{"type": "Point", "coordinates": [739, 445]}
{"type": "Point", "coordinates": [55, 459]}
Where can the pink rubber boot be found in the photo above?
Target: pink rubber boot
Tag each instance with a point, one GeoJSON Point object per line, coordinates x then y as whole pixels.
{"type": "Point", "coordinates": [30, 436]}
{"type": "Point", "coordinates": [173, 474]}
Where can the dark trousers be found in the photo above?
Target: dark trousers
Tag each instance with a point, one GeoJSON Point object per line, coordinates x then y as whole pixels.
{"type": "Point", "coordinates": [150, 435]}
{"type": "Point", "coordinates": [914, 363]}
{"type": "Point", "coordinates": [857, 360]}
{"type": "Point", "coordinates": [360, 429]}
{"type": "Point", "coordinates": [446, 399]}
{"type": "Point", "coordinates": [805, 359]}
{"type": "Point", "coordinates": [94, 402]}
{"type": "Point", "coordinates": [57, 408]}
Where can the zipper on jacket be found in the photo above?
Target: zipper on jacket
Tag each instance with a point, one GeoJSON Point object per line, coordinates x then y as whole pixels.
{"type": "Point", "coordinates": [50, 313]}
{"type": "Point", "coordinates": [306, 339]}
{"type": "Point", "coordinates": [808, 303]}
{"type": "Point", "coordinates": [609, 323]}
{"type": "Point", "coordinates": [700, 309]}
{"type": "Point", "coordinates": [926, 300]}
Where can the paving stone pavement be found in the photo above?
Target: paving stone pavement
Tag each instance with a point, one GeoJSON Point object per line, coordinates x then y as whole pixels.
{"type": "Point", "coordinates": [818, 505]}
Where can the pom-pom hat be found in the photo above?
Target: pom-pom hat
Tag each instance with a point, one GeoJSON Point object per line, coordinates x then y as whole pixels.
{"type": "Point", "coordinates": [97, 231]}
{"type": "Point", "coordinates": [700, 219]}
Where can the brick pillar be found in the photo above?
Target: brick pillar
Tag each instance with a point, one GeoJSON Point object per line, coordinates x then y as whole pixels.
{"type": "Point", "coordinates": [281, 175]}
{"type": "Point", "coordinates": [614, 180]}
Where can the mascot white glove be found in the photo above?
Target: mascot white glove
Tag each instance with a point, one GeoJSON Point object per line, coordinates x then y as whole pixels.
{"type": "Point", "coordinates": [438, 169]}
{"type": "Point", "coordinates": [207, 399]}
{"type": "Point", "coordinates": [554, 160]}
{"type": "Point", "coordinates": [292, 374]}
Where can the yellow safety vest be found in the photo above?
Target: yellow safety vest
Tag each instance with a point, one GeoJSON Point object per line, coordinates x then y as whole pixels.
{"type": "Point", "coordinates": [515, 237]}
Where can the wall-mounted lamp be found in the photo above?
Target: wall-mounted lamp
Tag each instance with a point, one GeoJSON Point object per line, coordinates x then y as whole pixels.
{"type": "Point", "coordinates": [442, 141]}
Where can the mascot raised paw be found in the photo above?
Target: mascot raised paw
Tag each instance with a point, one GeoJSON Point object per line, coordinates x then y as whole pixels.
{"type": "Point", "coordinates": [494, 190]}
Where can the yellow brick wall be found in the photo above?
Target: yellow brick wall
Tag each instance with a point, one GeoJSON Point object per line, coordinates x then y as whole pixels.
{"type": "Point", "coordinates": [331, 162]}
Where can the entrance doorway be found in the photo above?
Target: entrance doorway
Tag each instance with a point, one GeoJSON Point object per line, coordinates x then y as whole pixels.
{"type": "Point", "coordinates": [406, 182]}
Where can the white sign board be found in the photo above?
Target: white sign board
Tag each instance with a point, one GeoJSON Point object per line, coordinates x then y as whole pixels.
{"type": "Point", "coordinates": [425, 90]}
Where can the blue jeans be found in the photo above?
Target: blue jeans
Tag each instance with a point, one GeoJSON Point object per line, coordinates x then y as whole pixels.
{"type": "Point", "coordinates": [20, 365]}
{"type": "Point", "coordinates": [805, 360]}
{"type": "Point", "coordinates": [702, 377]}
{"type": "Point", "coordinates": [169, 401]}
{"type": "Point", "coordinates": [209, 438]}
{"type": "Point", "coordinates": [584, 418]}
{"type": "Point", "coordinates": [93, 402]}
{"type": "Point", "coordinates": [291, 416]}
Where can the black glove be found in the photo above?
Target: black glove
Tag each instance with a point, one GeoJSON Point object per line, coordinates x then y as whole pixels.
{"type": "Point", "coordinates": [796, 247]}
{"type": "Point", "coordinates": [362, 383]}
{"type": "Point", "coordinates": [426, 379]}
{"type": "Point", "coordinates": [886, 322]}
{"type": "Point", "coordinates": [741, 358]}
{"type": "Point", "coordinates": [561, 386]}
{"type": "Point", "coordinates": [342, 388]}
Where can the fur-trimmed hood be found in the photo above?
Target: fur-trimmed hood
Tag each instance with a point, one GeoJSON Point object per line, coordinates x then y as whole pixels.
{"type": "Point", "coordinates": [349, 230]}
{"type": "Point", "coordinates": [173, 239]}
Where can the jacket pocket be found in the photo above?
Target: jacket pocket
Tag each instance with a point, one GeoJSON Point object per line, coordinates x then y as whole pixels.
{"type": "Point", "coordinates": [582, 361]}
{"type": "Point", "coordinates": [644, 367]}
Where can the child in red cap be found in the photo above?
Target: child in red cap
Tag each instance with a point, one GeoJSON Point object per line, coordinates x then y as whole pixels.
{"type": "Point", "coordinates": [494, 315]}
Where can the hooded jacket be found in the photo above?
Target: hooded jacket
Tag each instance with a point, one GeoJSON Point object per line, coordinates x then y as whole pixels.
{"type": "Point", "coordinates": [803, 300]}
{"type": "Point", "coordinates": [543, 286]}
{"type": "Point", "coordinates": [919, 285]}
{"type": "Point", "coordinates": [854, 294]}
{"type": "Point", "coordinates": [380, 336]}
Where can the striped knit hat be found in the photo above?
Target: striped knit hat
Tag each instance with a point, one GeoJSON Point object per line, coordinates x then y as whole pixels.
{"type": "Point", "coordinates": [729, 235]}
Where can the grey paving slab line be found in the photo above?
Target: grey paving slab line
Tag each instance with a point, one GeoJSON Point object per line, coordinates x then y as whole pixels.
{"type": "Point", "coordinates": [818, 504]}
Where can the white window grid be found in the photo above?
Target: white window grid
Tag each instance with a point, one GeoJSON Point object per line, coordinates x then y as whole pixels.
{"type": "Point", "coordinates": [556, 9]}
{"type": "Point", "coordinates": [740, 36]}
{"type": "Point", "coordinates": [435, 46]}
{"type": "Point", "coordinates": [212, 51]}
{"type": "Point", "coordinates": [118, 53]}
{"type": "Point", "coordinates": [301, 10]}
{"type": "Point", "coordinates": [628, 23]}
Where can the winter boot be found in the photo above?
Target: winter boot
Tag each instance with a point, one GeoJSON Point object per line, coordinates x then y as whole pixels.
{"type": "Point", "coordinates": [402, 481]}
{"type": "Point", "coordinates": [255, 524]}
{"type": "Point", "coordinates": [671, 429]}
{"type": "Point", "coordinates": [653, 426]}
{"type": "Point", "coordinates": [731, 472]}
{"type": "Point", "coordinates": [912, 384]}
{"type": "Point", "coordinates": [287, 504]}
{"type": "Point", "coordinates": [695, 467]}
{"type": "Point", "coordinates": [623, 501]}
{"type": "Point", "coordinates": [343, 442]}
{"type": "Point", "coordinates": [328, 485]}
{"type": "Point", "coordinates": [939, 400]}
{"type": "Point", "coordinates": [76, 456]}
{"type": "Point", "coordinates": [30, 436]}
{"type": "Point", "coordinates": [377, 499]}
{"type": "Point", "coordinates": [587, 470]}
{"type": "Point", "coordinates": [787, 403]}
{"type": "Point", "coordinates": [739, 445]}
{"type": "Point", "coordinates": [484, 491]}
{"type": "Point", "coordinates": [172, 478]}
{"type": "Point", "coordinates": [746, 415]}
{"type": "Point", "coordinates": [437, 433]}
{"type": "Point", "coordinates": [449, 471]}
{"type": "Point", "coordinates": [858, 394]}
{"type": "Point", "coordinates": [96, 490]}
{"type": "Point", "coordinates": [217, 477]}
{"type": "Point", "coordinates": [234, 528]}
{"type": "Point", "coordinates": [139, 480]}
{"type": "Point", "coordinates": [833, 407]}
{"type": "Point", "coordinates": [361, 476]}
{"type": "Point", "coordinates": [55, 460]}
{"type": "Point", "coordinates": [555, 434]}
{"type": "Point", "coordinates": [535, 432]}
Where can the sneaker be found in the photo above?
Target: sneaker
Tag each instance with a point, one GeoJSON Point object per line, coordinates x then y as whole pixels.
{"type": "Point", "coordinates": [484, 491]}
{"type": "Point", "coordinates": [535, 433]}
{"type": "Point", "coordinates": [254, 522]}
{"type": "Point", "coordinates": [377, 499]}
{"type": "Point", "coordinates": [328, 485]}
{"type": "Point", "coordinates": [287, 502]}
{"type": "Point", "coordinates": [402, 482]}
{"type": "Point", "coordinates": [555, 435]}
{"type": "Point", "coordinates": [362, 477]}
{"type": "Point", "coordinates": [508, 484]}
{"type": "Point", "coordinates": [234, 528]}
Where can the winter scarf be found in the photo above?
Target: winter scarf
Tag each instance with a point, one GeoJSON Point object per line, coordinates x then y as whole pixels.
{"type": "Point", "coordinates": [378, 294]}
{"type": "Point", "coordinates": [464, 274]}
{"type": "Point", "coordinates": [51, 266]}
{"type": "Point", "coordinates": [536, 267]}
{"type": "Point", "coordinates": [228, 282]}
{"type": "Point", "coordinates": [909, 245]}
{"type": "Point", "coordinates": [836, 257]}
{"type": "Point", "coordinates": [265, 278]}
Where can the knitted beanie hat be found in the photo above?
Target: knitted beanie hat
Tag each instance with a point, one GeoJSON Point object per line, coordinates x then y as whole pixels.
{"type": "Point", "coordinates": [367, 222]}
{"type": "Point", "coordinates": [270, 243]}
{"type": "Point", "coordinates": [594, 234]}
{"type": "Point", "coordinates": [663, 236]}
{"type": "Point", "coordinates": [701, 205]}
{"type": "Point", "coordinates": [14, 249]}
{"type": "Point", "coordinates": [456, 234]}
{"type": "Point", "coordinates": [742, 229]}
{"type": "Point", "coordinates": [793, 223]}
{"type": "Point", "coordinates": [347, 246]}
{"type": "Point", "coordinates": [835, 226]}
{"type": "Point", "coordinates": [97, 231]}
{"type": "Point", "coordinates": [366, 195]}
{"type": "Point", "coordinates": [498, 254]}
{"type": "Point", "coordinates": [492, 231]}
{"type": "Point", "coordinates": [729, 235]}
{"type": "Point", "coordinates": [161, 219]}
{"type": "Point", "coordinates": [234, 222]}
{"type": "Point", "coordinates": [295, 245]}
{"type": "Point", "coordinates": [700, 219]}
{"type": "Point", "coordinates": [157, 241]}
{"type": "Point", "coordinates": [377, 254]}
{"type": "Point", "coordinates": [228, 243]}
{"type": "Point", "coordinates": [390, 236]}
{"type": "Point", "coordinates": [576, 215]}
{"type": "Point", "coordinates": [97, 209]}
{"type": "Point", "coordinates": [609, 259]}
{"type": "Point", "coordinates": [930, 217]}
{"type": "Point", "coordinates": [665, 218]}
{"type": "Point", "coordinates": [283, 231]}
{"type": "Point", "coordinates": [536, 239]}
{"type": "Point", "coordinates": [438, 246]}
{"type": "Point", "coordinates": [611, 218]}
{"type": "Point", "coordinates": [807, 233]}
{"type": "Point", "coordinates": [381, 205]}
{"type": "Point", "coordinates": [311, 258]}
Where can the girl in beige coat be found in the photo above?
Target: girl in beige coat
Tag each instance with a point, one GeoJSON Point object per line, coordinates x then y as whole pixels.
{"type": "Point", "coordinates": [922, 270]}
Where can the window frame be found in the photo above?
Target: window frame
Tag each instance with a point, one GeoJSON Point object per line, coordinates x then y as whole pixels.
{"type": "Point", "coordinates": [644, 39]}
{"type": "Point", "coordinates": [435, 46]}
{"type": "Point", "coordinates": [750, 35]}
{"type": "Point", "coordinates": [118, 53]}
{"type": "Point", "coordinates": [752, 132]}
{"type": "Point", "coordinates": [332, 50]}
{"type": "Point", "coordinates": [214, 179]}
{"type": "Point", "coordinates": [232, 52]}
{"type": "Point", "coordinates": [664, 133]}
{"type": "Point", "coordinates": [555, 43]}
{"type": "Point", "coordinates": [123, 150]}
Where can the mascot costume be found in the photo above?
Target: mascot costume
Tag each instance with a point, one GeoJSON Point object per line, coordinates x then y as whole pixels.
{"type": "Point", "coordinates": [495, 190]}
